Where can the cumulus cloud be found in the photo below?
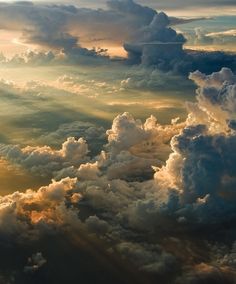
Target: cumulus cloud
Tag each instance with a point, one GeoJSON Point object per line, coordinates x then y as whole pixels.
{"type": "Point", "coordinates": [134, 147]}
{"type": "Point", "coordinates": [216, 100]}
{"type": "Point", "coordinates": [44, 160]}
{"type": "Point", "coordinates": [20, 211]}
{"type": "Point", "coordinates": [203, 146]}
{"type": "Point", "coordinates": [201, 166]}
{"type": "Point", "coordinates": [155, 42]}
{"type": "Point", "coordinates": [133, 135]}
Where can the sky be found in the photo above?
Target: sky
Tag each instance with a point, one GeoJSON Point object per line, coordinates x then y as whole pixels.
{"type": "Point", "coordinates": [117, 142]}
{"type": "Point", "coordinates": [168, 5]}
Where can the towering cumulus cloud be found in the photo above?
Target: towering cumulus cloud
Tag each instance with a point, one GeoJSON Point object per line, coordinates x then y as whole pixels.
{"type": "Point", "coordinates": [179, 221]}
{"type": "Point", "coordinates": [201, 167]}
{"type": "Point", "coordinates": [155, 42]}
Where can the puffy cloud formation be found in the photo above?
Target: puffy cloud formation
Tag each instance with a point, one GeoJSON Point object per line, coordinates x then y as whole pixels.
{"type": "Point", "coordinates": [44, 160]}
{"type": "Point", "coordinates": [216, 100]}
{"type": "Point", "coordinates": [133, 148]}
{"type": "Point", "coordinates": [171, 227]}
{"type": "Point", "coordinates": [201, 166]}
{"type": "Point", "coordinates": [150, 139]}
{"type": "Point", "coordinates": [38, 208]}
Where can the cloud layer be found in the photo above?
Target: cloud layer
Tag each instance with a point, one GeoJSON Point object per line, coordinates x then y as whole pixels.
{"type": "Point", "coordinates": [162, 225]}
{"type": "Point", "coordinates": [69, 31]}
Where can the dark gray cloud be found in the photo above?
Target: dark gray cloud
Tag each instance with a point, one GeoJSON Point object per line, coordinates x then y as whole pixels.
{"type": "Point", "coordinates": [56, 25]}
{"type": "Point", "coordinates": [35, 262]}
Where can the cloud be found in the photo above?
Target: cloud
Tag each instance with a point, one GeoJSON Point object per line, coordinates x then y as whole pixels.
{"type": "Point", "coordinates": [208, 274]}
{"type": "Point", "coordinates": [75, 84]}
{"type": "Point", "coordinates": [145, 34]}
{"type": "Point", "coordinates": [167, 5]}
{"type": "Point", "coordinates": [57, 26]}
{"type": "Point", "coordinates": [20, 211]}
{"type": "Point", "coordinates": [149, 258]}
{"type": "Point", "coordinates": [169, 228]}
{"type": "Point", "coordinates": [224, 33]}
{"type": "Point", "coordinates": [134, 147]}
{"type": "Point", "coordinates": [201, 166]}
{"type": "Point", "coordinates": [48, 26]}
{"type": "Point", "coordinates": [155, 42]}
{"type": "Point", "coordinates": [179, 21]}
{"type": "Point", "coordinates": [198, 175]}
{"type": "Point", "coordinates": [35, 262]}
{"type": "Point", "coordinates": [158, 45]}
{"type": "Point", "coordinates": [158, 225]}
{"type": "Point", "coordinates": [130, 134]}
{"type": "Point", "coordinates": [93, 134]}
{"type": "Point", "coordinates": [130, 7]}
{"type": "Point", "coordinates": [180, 4]}
{"type": "Point", "coordinates": [44, 160]}
{"type": "Point", "coordinates": [151, 78]}
{"type": "Point", "coordinates": [216, 100]}
{"type": "Point", "coordinates": [212, 39]}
